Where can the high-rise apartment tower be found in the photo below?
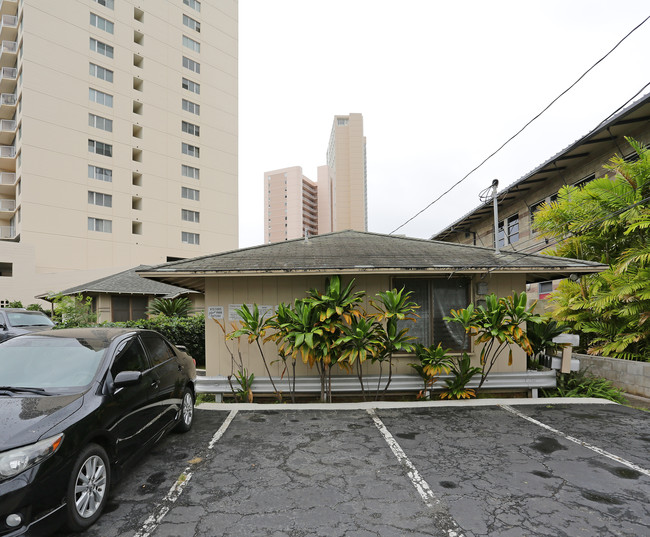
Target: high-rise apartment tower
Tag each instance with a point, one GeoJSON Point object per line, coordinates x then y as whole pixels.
{"type": "Point", "coordinates": [118, 139]}
{"type": "Point", "coordinates": [290, 205]}
{"type": "Point", "coordinates": [294, 205]}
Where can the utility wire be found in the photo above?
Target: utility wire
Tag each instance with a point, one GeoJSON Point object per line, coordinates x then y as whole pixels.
{"type": "Point", "coordinates": [522, 129]}
{"type": "Point", "coordinates": [571, 234]}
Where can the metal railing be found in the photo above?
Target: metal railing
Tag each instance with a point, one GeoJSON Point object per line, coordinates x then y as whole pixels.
{"type": "Point", "coordinates": [10, 47]}
{"type": "Point", "coordinates": [7, 205]}
{"type": "Point", "coordinates": [8, 99]}
{"type": "Point", "coordinates": [526, 380]}
{"type": "Point", "coordinates": [7, 232]}
{"type": "Point", "coordinates": [8, 72]}
{"type": "Point", "coordinates": [7, 151]}
{"type": "Point", "coordinates": [10, 21]}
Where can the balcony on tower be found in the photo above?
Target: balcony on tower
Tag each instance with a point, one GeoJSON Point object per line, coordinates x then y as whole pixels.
{"type": "Point", "coordinates": [8, 7]}
{"type": "Point", "coordinates": [7, 130]}
{"type": "Point", "coordinates": [7, 105]}
{"type": "Point", "coordinates": [8, 53]}
{"type": "Point", "coordinates": [8, 77]}
{"type": "Point", "coordinates": [8, 28]}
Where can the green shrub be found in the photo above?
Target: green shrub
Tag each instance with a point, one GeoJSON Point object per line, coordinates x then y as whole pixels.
{"type": "Point", "coordinates": [583, 384]}
{"type": "Point", "coordinates": [187, 331]}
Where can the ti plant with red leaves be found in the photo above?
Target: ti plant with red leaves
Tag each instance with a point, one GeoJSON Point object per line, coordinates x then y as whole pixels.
{"type": "Point", "coordinates": [497, 326]}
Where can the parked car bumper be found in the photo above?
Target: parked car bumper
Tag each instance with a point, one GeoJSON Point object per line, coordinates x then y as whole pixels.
{"type": "Point", "coordinates": [37, 495]}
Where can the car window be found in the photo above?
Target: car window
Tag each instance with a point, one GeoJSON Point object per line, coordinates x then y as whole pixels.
{"type": "Point", "coordinates": [26, 318]}
{"type": "Point", "coordinates": [131, 358]}
{"type": "Point", "coordinates": [158, 349]}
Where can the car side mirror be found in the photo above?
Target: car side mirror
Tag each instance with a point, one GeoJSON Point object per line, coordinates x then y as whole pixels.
{"type": "Point", "coordinates": [3, 326]}
{"type": "Point", "coordinates": [127, 378]}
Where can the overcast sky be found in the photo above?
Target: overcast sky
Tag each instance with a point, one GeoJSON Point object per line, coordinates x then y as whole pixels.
{"type": "Point", "coordinates": [440, 85]}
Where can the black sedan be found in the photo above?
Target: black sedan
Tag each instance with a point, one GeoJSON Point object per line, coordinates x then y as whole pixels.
{"type": "Point", "coordinates": [76, 407]}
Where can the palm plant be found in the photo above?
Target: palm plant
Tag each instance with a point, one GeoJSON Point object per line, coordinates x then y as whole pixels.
{"type": "Point", "coordinates": [433, 362]}
{"type": "Point", "coordinates": [463, 372]}
{"type": "Point", "coordinates": [174, 307]}
{"type": "Point", "coordinates": [497, 326]}
{"type": "Point", "coordinates": [393, 306]}
{"type": "Point", "coordinates": [358, 342]}
{"type": "Point", "coordinates": [254, 327]}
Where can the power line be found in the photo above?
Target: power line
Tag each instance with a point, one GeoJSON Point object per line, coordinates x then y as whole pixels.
{"type": "Point", "coordinates": [522, 128]}
{"type": "Point", "coordinates": [572, 234]}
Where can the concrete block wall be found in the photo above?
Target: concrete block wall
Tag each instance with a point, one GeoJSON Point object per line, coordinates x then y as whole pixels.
{"type": "Point", "coordinates": [633, 377]}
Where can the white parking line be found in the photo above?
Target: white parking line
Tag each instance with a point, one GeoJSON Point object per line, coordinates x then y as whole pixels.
{"type": "Point", "coordinates": [577, 441]}
{"type": "Point", "coordinates": [154, 520]}
{"type": "Point", "coordinates": [423, 488]}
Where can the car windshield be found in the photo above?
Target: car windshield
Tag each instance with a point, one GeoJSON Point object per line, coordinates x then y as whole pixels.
{"type": "Point", "coordinates": [50, 362]}
{"type": "Point", "coordinates": [26, 318]}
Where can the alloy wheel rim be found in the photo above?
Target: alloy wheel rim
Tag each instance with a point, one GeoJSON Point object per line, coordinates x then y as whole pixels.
{"type": "Point", "coordinates": [188, 409]}
{"type": "Point", "coordinates": [90, 486]}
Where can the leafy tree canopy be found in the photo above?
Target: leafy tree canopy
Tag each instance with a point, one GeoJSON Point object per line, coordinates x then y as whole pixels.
{"type": "Point", "coordinates": [607, 220]}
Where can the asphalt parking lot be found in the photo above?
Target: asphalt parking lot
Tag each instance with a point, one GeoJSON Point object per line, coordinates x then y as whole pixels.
{"type": "Point", "coordinates": [498, 470]}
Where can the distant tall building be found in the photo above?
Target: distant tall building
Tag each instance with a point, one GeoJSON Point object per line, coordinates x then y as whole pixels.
{"type": "Point", "coordinates": [293, 204]}
{"type": "Point", "coordinates": [118, 137]}
{"type": "Point", "coordinates": [290, 205]}
{"type": "Point", "coordinates": [346, 174]}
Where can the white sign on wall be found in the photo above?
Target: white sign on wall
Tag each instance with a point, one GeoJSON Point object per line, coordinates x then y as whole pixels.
{"type": "Point", "coordinates": [215, 312]}
{"type": "Point", "coordinates": [265, 311]}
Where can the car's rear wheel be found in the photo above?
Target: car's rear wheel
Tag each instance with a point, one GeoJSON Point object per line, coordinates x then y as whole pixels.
{"type": "Point", "coordinates": [88, 487]}
{"type": "Point", "coordinates": [187, 412]}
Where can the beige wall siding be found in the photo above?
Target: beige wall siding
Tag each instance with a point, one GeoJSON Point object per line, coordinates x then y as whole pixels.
{"type": "Point", "coordinates": [271, 290]}
{"type": "Point", "coordinates": [528, 238]}
{"type": "Point", "coordinates": [52, 111]}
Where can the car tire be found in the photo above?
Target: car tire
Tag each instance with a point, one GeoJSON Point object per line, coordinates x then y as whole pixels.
{"type": "Point", "coordinates": [187, 412]}
{"type": "Point", "coordinates": [88, 488]}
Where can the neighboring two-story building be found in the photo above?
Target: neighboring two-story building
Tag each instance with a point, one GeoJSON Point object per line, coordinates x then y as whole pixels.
{"type": "Point", "coordinates": [576, 165]}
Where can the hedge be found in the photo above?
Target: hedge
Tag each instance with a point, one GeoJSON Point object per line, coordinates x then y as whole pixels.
{"type": "Point", "coordinates": [188, 331]}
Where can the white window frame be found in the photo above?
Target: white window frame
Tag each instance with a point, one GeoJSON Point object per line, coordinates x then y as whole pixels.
{"type": "Point", "coordinates": [99, 97]}
{"type": "Point", "coordinates": [190, 85]}
{"type": "Point", "coordinates": [192, 65]}
{"type": "Point", "coordinates": [194, 4]}
{"type": "Point", "coordinates": [101, 48]}
{"type": "Point", "coordinates": [187, 237]}
{"type": "Point", "coordinates": [106, 3]}
{"type": "Point", "coordinates": [188, 215]}
{"type": "Point", "coordinates": [191, 107]}
{"type": "Point", "coordinates": [100, 122]}
{"type": "Point", "coordinates": [100, 174]}
{"type": "Point", "coordinates": [509, 236]}
{"type": "Point", "coordinates": [101, 23]}
{"type": "Point", "coordinates": [189, 171]}
{"type": "Point", "coordinates": [190, 193]}
{"type": "Point", "coordinates": [100, 199]}
{"type": "Point", "coordinates": [190, 150]}
{"type": "Point", "coordinates": [191, 44]}
{"type": "Point", "coordinates": [100, 148]}
{"type": "Point", "coordinates": [190, 128]}
{"type": "Point", "coordinates": [100, 225]}
{"type": "Point", "coordinates": [100, 72]}
{"type": "Point", "coordinates": [191, 23]}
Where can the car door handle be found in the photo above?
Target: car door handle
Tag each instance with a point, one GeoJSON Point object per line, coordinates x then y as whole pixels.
{"type": "Point", "coordinates": [155, 383]}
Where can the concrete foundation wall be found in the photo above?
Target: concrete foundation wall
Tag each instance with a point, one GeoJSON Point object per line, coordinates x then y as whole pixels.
{"type": "Point", "coordinates": [633, 377]}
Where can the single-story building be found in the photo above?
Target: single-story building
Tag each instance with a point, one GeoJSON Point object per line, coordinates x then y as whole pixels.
{"type": "Point", "coordinates": [125, 296]}
{"type": "Point", "coordinates": [441, 275]}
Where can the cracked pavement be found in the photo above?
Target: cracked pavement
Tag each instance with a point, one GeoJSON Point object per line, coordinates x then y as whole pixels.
{"type": "Point", "coordinates": [331, 473]}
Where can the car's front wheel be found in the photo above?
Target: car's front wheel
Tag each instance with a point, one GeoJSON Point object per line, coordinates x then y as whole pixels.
{"type": "Point", "coordinates": [187, 412]}
{"type": "Point", "coordinates": [88, 487]}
